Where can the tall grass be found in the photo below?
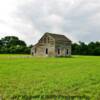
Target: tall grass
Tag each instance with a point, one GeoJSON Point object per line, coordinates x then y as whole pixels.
{"type": "Point", "coordinates": [23, 77]}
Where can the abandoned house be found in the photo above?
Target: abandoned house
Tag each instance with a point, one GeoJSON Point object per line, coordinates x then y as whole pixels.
{"type": "Point", "coordinates": [52, 45]}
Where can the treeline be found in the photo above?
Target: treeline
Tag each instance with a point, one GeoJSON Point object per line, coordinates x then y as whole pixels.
{"type": "Point", "coordinates": [12, 45]}
{"type": "Point", "coordinates": [92, 48]}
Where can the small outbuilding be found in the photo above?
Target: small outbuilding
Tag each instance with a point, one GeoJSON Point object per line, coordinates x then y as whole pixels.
{"type": "Point", "coordinates": [52, 45]}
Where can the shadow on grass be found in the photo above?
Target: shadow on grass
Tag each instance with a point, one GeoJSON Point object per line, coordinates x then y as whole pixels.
{"type": "Point", "coordinates": [49, 97]}
{"type": "Point", "coordinates": [65, 57]}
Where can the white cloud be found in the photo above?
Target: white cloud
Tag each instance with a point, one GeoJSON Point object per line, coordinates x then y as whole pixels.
{"type": "Point", "coordinates": [29, 19]}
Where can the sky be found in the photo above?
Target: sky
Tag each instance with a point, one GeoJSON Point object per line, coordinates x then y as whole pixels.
{"type": "Point", "coordinates": [79, 20]}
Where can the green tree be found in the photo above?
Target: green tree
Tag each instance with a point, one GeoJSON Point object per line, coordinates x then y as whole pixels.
{"type": "Point", "coordinates": [75, 49]}
{"type": "Point", "coordinates": [12, 44]}
{"type": "Point", "coordinates": [97, 51]}
{"type": "Point", "coordinates": [91, 47]}
{"type": "Point", "coordinates": [83, 48]}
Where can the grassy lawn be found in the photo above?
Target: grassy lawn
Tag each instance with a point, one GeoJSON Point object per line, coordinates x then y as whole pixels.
{"type": "Point", "coordinates": [23, 77]}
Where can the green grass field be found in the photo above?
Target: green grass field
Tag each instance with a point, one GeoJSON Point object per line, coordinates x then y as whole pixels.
{"type": "Point", "coordinates": [23, 77]}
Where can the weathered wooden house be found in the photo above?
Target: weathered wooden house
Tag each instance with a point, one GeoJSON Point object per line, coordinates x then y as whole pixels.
{"type": "Point", "coordinates": [52, 45]}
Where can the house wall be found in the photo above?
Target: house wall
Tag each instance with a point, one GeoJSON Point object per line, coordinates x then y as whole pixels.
{"type": "Point", "coordinates": [65, 49]}
{"type": "Point", "coordinates": [41, 50]}
{"type": "Point", "coordinates": [46, 42]}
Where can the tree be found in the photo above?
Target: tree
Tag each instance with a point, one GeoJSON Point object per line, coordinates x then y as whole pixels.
{"type": "Point", "coordinates": [83, 48]}
{"type": "Point", "coordinates": [79, 49]}
{"type": "Point", "coordinates": [97, 51]}
{"type": "Point", "coordinates": [12, 44]}
{"type": "Point", "coordinates": [9, 41]}
{"type": "Point", "coordinates": [75, 48]}
{"type": "Point", "coordinates": [91, 47]}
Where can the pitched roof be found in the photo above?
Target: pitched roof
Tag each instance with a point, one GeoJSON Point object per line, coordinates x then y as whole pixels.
{"type": "Point", "coordinates": [59, 37]}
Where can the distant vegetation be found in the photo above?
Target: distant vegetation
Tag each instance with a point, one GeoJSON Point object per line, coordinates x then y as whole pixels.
{"type": "Point", "coordinates": [93, 48]}
{"type": "Point", "coordinates": [12, 45]}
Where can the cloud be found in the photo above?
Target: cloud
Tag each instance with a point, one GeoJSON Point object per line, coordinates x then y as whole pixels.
{"type": "Point", "coordinates": [29, 19]}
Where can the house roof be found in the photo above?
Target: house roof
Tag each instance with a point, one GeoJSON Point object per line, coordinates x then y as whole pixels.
{"type": "Point", "coordinates": [59, 37]}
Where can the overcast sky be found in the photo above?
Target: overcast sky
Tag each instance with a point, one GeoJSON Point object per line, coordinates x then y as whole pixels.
{"type": "Point", "coordinates": [30, 19]}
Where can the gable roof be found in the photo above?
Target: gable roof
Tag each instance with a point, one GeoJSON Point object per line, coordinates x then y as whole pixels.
{"type": "Point", "coordinates": [59, 37]}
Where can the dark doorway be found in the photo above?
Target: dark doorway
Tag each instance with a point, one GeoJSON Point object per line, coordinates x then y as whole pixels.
{"type": "Point", "coordinates": [32, 53]}
{"type": "Point", "coordinates": [46, 51]}
{"type": "Point", "coordinates": [58, 51]}
{"type": "Point", "coordinates": [67, 51]}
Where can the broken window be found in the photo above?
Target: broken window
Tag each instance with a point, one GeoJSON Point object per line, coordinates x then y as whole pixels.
{"type": "Point", "coordinates": [45, 40]}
